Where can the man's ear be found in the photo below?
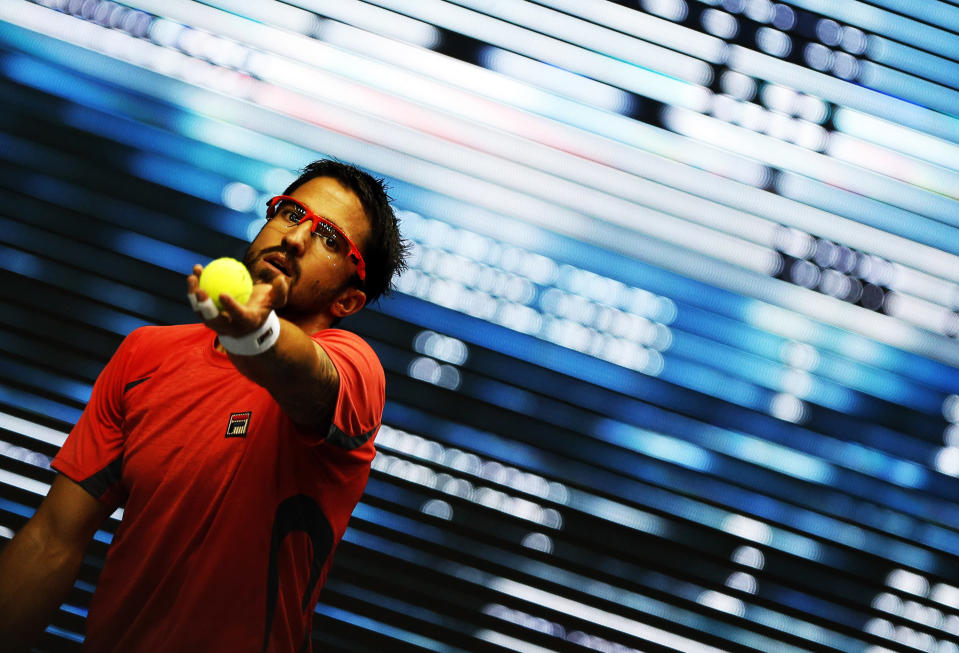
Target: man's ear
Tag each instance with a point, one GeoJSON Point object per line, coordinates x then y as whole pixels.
{"type": "Point", "coordinates": [350, 301]}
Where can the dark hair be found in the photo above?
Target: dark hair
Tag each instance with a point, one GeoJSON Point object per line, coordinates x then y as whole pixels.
{"type": "Point", "coordinates": [385, 253]}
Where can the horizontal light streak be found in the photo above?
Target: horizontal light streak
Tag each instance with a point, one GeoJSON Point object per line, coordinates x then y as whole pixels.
{"type": "Point", "coordinates": [886, 23]}
{"type": "Point", "coordinates": [931, 11]}
{"type": "Point", "coordinates": [645, 26]}
{"type": "Point", "coordinates": [612, 182]}
{"type": "Point", "coordinates": [474, 190]}
{"type": "Point", "coordinates": [596, 38]}
{"type": "Point", "coordinates": [915, 283]}
{"type": "Point", "coordinates": [388, 76]}
{"type": "Point", "coordinates": [498, 168]}
{"type": "Point", "coordinates": [922, 313]}
{"type": "Point", "coordinates": [595, 615]}
{"type": "Point", "coordinates": [571, 127]}
{"type": "Point", "coordinates": [869, 224]}
{"type": "Point", "coordinates": [787, 156]}
{"type": "Point", "coordinates": [843, 93]}
{"type": "Point", "coordinates": [365, 16]}
{"type": "Point", "coordinates": [509, 643]}
{"type": "Point", "coordinates": [32, 429]}
{"type": "Point", "coordinates": [24, 483]}
{"type": "Point", "coordinates": [903, 57]}
{"type": "Point", "coordinates": [556, 80]}
{"type": "Point", "coordinates": [571, 57]}
{"type": "Point", "coordinates": [897, 137]}
{"type": "Point", "coordinates": [270, 12]}
{"type": "Point", "coordinates": [893, 164]}
{"type": "Point", "coordinates": [905, 86]}
{"type": "Point", "coordinates": [500, 200]}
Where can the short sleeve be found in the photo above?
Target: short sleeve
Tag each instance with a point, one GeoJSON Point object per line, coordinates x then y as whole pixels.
{"type": "Point", "coordinates": [92, 455]}
{"type": "Point", "coordinates": [362, 390]}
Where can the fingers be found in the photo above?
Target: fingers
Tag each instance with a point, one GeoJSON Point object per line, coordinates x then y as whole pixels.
{"type": "Point", "coordinates": [199, 301]}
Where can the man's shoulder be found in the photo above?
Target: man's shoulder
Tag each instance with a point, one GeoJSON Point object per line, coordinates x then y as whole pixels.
{"type": "Point", "coordinates": [161, 340]}
{"type": "Point", "coordinates": [345, 341]}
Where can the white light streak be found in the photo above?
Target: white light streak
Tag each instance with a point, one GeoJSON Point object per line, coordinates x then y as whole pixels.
{"type": "Point", "coordinates": [897, 137]}
{"type": "Point", "coordinates": [722, 602]}
{"type": "Point", "coordinates": [921, 313]}
{"type": "Point", "coordinates": [556, 80]}
{"type": "Point", "coordinates": [907, 581]}
{"type": "Point", "coordinates": [597, 38]}
{"type": "Point", "coordinates": [843, 93]}
{"type": "Point", "coordinates": [504, 170]}
{"type": "Point", "coordinates": [786, 156]}
{"type": "Point", "coordinates": [719, 23]}
{"type": "Point", "coordinates": [895, 165]}
{"type": "Point", "coordinates": [648, 28]}
{"type": "Point", "coordinates": [589, 613]}
{"type": "Point", "coordinates": [858, 236]}
{"type": "Point", "coordinates": [747, 528]}
{"type": "Point", "coordinates": [371, 18]}
{"type": "Point", "coordinates": [270, 12]}
{"type": "Point", "coordinates": [510, 643]}
{"type": "Point", "coordinates": [24, 483]}
{"type": "Point", "coordinates": [572, 117]}
{"type": "Point", "coordinates": [576, 59]}
{"type": "Point", "coordinates": [32, 430]}
{"type": "Point", "coordinates": [499, 200]}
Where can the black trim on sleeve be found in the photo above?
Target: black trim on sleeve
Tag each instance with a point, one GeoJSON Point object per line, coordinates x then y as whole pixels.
{"type": "Point", "coordinates": [98, 484]}
{"type": "Point", "coordinates": [133, 384]}
{"type": "Point", "coordinates": [348, 442]}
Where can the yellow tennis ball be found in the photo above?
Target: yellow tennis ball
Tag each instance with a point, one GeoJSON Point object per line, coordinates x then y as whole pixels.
{"type": "Point", "coordinates": [226, 275]}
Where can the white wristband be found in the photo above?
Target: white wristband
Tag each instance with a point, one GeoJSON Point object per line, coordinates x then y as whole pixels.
{"type": "Point", "coordinates": [257, 342]}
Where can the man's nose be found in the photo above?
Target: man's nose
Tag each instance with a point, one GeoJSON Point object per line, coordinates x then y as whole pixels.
{"type": "Point", "coordinates": [298, 236]}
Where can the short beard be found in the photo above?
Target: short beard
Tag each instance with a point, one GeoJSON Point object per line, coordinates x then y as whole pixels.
{"type": "Point", "coordinates": [294, 308]}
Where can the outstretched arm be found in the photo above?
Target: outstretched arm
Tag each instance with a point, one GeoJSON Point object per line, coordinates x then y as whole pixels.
{"type": "Point", "coordinates": [39, 565]}
{"type": "Point", "coordinates": [295, 370]}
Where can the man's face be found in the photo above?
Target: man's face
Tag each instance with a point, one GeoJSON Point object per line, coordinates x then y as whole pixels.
{"type": "Point", "coordinates": [318, 274]}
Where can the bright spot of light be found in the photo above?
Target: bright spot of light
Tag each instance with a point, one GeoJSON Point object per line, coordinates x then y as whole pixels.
{"type": "Point", "coordinates": [747, 528]}
{"type": "Point", "coordinates": [749, 556]}
{"type": "Point", "coordinates": [723, 602]}
{"type": "Point", "coordinates": [947, 461]}
{"type": "Point", "coordinates": [253, 228]}
{"type": "Point", "coordinates": [538, 542]}
{"type": "Point", "coordinates": [444, 348]}
{"type": "Point", "coordinates": [675, 10]}
{"type": "Point", "coordinates": [427, 369]}
{"type": "Point", "coordinates": [788, 408]}
{"type": "Point", "coordinates": [773, 41]}
{"type": "Point", "coordinates": [908, 582]}
{"type": "Point", "coordinates": [719, 23]}
{"type": "Point", "coordinates": [239, 197]}
{"type": "Point", "coordinates": [950, 408]}
{"type": "Point", "coordinates": [437, 508]}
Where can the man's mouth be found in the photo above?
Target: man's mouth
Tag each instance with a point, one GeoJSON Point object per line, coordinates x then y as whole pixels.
{"type": "Point", "coordinates": [279, 263]}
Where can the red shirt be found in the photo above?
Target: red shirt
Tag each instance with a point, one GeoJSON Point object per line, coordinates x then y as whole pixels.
{"type": "Point", "coordinates": [231, 512]}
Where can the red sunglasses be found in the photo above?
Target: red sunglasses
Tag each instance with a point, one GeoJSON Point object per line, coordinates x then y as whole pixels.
{"type": "Point", "coordinates": [295, 212]}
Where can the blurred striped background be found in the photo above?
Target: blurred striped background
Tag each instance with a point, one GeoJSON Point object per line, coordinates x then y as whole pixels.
{"type": "Point", "coordinates": [674, 366]}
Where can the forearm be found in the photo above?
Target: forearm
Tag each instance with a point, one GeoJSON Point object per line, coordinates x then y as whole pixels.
{"type": "Point", "coordinates": [35, 576]}
{"type": "Point", "coordinates": [296, 372]}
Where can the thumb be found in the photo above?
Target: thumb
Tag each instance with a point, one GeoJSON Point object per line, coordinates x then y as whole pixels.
{"type": "Point", "coordinates": [280, 291]}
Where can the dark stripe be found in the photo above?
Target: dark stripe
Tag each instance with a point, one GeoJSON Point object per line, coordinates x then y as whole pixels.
{"type": "Point", "coordinates": [298, 513]}
{"type": "Point", "coordinates": [348, 442]}
{"type": "Point", "coordinates": [99, 483]}
{"type": "Point", "coordinates": [133, 384]}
